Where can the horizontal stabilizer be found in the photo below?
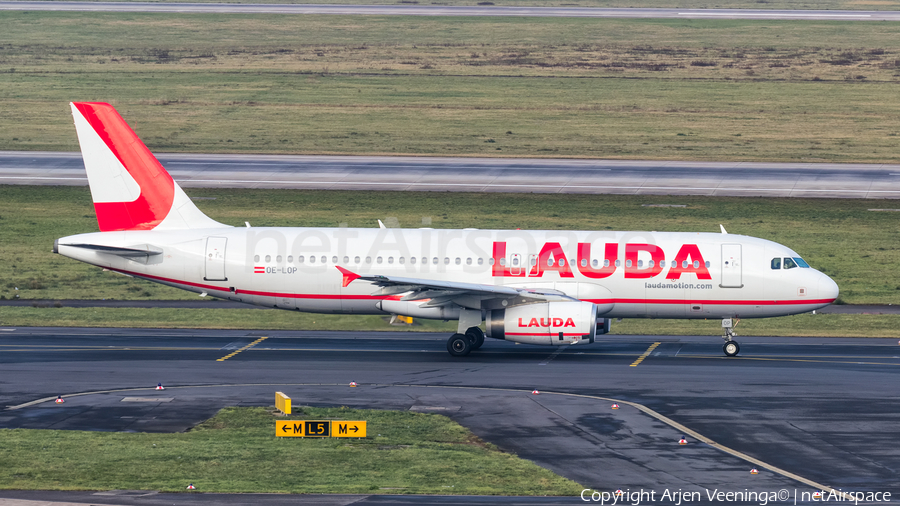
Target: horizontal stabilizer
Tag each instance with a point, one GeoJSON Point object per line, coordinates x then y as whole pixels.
{"type": "Point", "coordinates": [137, 252]}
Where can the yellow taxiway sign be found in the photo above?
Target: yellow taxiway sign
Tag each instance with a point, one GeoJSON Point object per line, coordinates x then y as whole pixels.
{"type": "Point", "coordinates": [320, 428]}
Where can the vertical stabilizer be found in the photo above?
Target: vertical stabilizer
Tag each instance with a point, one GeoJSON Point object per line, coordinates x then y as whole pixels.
{"type": "Point", "coordinates": [130, 188]}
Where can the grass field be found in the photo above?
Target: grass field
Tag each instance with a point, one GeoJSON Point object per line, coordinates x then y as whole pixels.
{"type": "Point", "coordinates": [819, 325]}
{"type": "Point", "coordinates": [682, 89]}
{"type": "Point", "coordinates": [237, 451]}
{"type": "Point", "coordinates": [855, 246]}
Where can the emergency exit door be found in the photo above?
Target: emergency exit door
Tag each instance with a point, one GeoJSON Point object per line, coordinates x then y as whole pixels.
{"type": "Point", "coordinates": [215, 259]}
{"type": "Point", "coordinates": [731, 266]}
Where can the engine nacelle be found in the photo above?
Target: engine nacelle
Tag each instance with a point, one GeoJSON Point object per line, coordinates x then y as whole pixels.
{"type": "Point", "coordinates": [553, 323]}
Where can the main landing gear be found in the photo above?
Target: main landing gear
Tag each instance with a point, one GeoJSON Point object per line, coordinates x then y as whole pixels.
{"type": "Point", "coordinates": [460, 345]}
{"type": "Point", "coordinates": [731, 347]}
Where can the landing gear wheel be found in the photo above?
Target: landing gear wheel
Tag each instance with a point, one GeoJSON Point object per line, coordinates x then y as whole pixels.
{"type": "Point", "coordinates": [731, 348]}
{"type": "Point", "coordinates": [476, 337]}
{"type": "Point", "coordinates": [459, 345]}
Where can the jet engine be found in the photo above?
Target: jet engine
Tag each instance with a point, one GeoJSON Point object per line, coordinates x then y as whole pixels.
{"type": "Point", "coordinates": [554, 323]}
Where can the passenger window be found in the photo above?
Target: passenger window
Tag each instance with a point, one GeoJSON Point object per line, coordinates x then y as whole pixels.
{"type": "Point", "coordinates": [491, 261]}
{"type": "Point", "coordinates": [480, 261]}
{"type": "Point", "coordinates": [696, 264]}
{"type": "Point", "coordinates": [278, 259]}
{"type": "Point", "coordinates": [368, 260]}
{"type": "Point", "coordinates": [789, 263]}
{"type": "Point", "coordinates": [562, 262]}
{"type": "Point", "coordinates": [401, 260]}
{"type": "Point", "coordinates": [290, 258]}
{"type": "Point", "coordinates": [256, 258]}
{"type": "Point", "coordinates": [268, 258]}
{"type": "Point", "coordinates": [346, 260]}
{"type": "Point", "coordinates": [312, 259]}
{"type": "Point", "coordinates": [356, 260]}
{"type": "Point", "coordinates": [468, 261]}
{"type": "Point", "coordinates": [390, 260]}
{"type": "Point", "coordinates": [662, 263]}
{"type": "Point", "coordinates": [776, 264]}
{"type": "Point", "coordinates": [434, 260]}
{"type": "Point", "coordinates": [300, 259]}
{"type": "Point", "coordinates": [618, 263]}
{"type": "Point", "coordinates": [446, 260]}
{"type": "Point", "coordinates": [412, 260]}
{"type": "Point", "coordinates": [584, 262]}
{"type": "Point", "coordinates": [707, 264]}
{"type": "Point", "coordinates": [378, 260]}
{"type": "Point", "coordinates": [650, 263]}
{"type": "Point", "coordinates": [325, 259]}
{"type": "Point", "coordinates": [334, 260]}
{"type": "Point", "coordinates": [628, 263]}
{"type": "Point", "coordinates": [640, 264]}
{"type": "Point", "coordinates": [801, 262]}
{"type": "Point", "coordinates": [606, 263]}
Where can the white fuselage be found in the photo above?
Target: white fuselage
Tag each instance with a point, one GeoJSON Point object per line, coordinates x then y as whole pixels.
{"type": "Point", "coordinates": [649, 274]}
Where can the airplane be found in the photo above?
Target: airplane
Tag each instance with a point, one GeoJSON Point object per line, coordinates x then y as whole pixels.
{"type": "Point", "coordinates": [543, 287]}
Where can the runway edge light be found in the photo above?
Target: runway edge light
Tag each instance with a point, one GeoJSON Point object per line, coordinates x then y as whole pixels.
{"type": "Point", "coordinates": [191, 487]}
{"type": "Point", "coordinates": [352, 383]}
{"type": "Point", "coordinates": [754, 471]}
{"type": "Point", "coordinates": [683, 441]}
{"type": "Point", "coordinates": [615, 406]}
{"type": "Point", "coordinates": [535, 392]}
{"type": "Point", "coordinates": [59, 399]}
{"type": "Point", "coordinates": [160, 387]}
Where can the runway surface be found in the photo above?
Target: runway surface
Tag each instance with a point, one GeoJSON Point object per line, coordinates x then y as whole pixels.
{"type": "Point", "coordinates": [509, 175]}
{"type": "Point", "coordinates": [444, 10]}
{"type": "Point", "coordinates": [820, 410]}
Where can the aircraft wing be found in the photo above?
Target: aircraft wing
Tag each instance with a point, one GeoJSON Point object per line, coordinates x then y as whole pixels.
{"type": "Point", "coordinates": [440, 293]}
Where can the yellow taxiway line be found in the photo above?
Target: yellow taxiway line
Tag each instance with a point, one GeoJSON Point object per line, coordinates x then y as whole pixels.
{"type": "Point", "coordinates": [645, 354]}
{"type": "Point", "coordinates": [254, 343]}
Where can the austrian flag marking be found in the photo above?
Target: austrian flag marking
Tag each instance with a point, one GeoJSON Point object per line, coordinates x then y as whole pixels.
{"type": "Point", "coordinates": [259, 270]}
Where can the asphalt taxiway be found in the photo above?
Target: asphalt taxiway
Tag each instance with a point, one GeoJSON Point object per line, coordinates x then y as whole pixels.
{"type": "Point", "coordinates": [508, 175]}
{"type": "Point", "coordinates": [803, 410]}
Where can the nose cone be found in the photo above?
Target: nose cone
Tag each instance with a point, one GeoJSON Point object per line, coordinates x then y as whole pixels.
{"type": "Point", "coordinates": [828, 289]}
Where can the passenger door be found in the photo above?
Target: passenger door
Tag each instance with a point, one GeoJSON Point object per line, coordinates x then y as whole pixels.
{"type": "Point", "coordinates": [215, 259]}
{"type": "Point", "coordinates": [731, 266]}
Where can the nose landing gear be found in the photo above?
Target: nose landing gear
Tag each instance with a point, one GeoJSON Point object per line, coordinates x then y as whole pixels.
{"type": "Point", "coordinates": [731, 347]}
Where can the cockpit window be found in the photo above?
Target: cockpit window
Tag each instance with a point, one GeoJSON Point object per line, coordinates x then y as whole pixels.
{"type": "Point", "coordinates": [789, 263]}
{"type": "Point", "coordinates": [801, 262]}
{"type": "Point", "coordinates": [776, 263]}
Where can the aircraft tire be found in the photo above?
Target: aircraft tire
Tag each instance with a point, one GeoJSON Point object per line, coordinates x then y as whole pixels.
{"type": "Point", "coordinates": [459, 345]}
{"type": "Point", "coordinates": [476, 336]}
{"type": "Point", "coordinates": [731, 348]}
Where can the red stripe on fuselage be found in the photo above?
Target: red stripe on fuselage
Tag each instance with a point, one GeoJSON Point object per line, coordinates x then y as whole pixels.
{"type": "Point", "coordinates": [397, 297]}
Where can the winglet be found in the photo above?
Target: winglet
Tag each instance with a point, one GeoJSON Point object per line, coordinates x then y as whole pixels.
{"type": "Point", "coordinates": [723, 228]}
{"type": "Point", "coordinates": [349, 277]}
